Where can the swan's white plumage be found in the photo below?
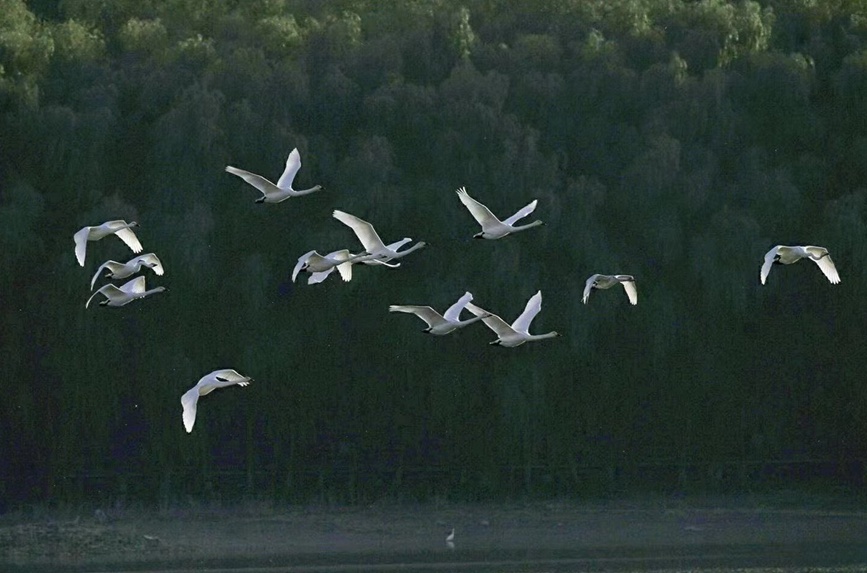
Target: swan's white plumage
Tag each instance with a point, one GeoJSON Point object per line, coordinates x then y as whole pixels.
{"type": "Point", "coordinates": [207, 384]}
{"type": "Point", "coordinates": [518, 332]}
{"type": "Point", "coordinates": [96, 232]}
{"type": "Point", "coordinates": [598, 281]}
{"type": "Point", "coordinates": [320, 266]}
{"type": "Point", "coordinates": [272, 193]}
{"type": "Point", "coordinates": [124, 294]}
{"type": "Point", "coordinates": [440, 324]}
{"type": "Point", "coordinates": [787, 255]}
{"type": "Point", "coordinates": [118, 270]}
{"type": "Point", "coordinates": [492, 227]}
{"type": "Point", "coordinates": [378, 252]}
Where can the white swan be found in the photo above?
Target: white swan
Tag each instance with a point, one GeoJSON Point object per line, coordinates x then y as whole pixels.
{"type": "Point", "coordinates": [378, 252]}
{"type": "Point", "coordinates": [125, 294]}
{"type": "Point", "coordinates": [116, 270]}
{"type": "Point", "coordinates": [440, 324]}
{"type": "Point", "coordinates": [784, 255]}
{"type": "Point", "coordinates": [492, 227]}
{"type": "Point", "coordinates": [120, 228]}
{"type": "Point", "coordinates": [207, 384]}
{"type": "Point", "coordinates": [607, 281]}
{"type": "Point", "coordinates": [283, 189]}
{"type": "Point", "coordinates": [518, 333]}
{"type": "Point", "coordinates": [320, 266]}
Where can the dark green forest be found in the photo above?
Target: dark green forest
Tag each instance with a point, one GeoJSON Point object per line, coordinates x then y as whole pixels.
{"type": "Point", "coordinates": [676, 141]}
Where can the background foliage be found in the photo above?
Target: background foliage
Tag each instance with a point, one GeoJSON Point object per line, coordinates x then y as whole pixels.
{"type": "Point", "coordinates": [676, 141]}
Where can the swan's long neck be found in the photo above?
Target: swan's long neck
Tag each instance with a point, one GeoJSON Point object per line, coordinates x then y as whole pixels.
{"type": "Point", "coordinates": [527, 226]}
{"type": "Point", "coordinates": [311, 190]}
{"type": "Point", "coordinates": [415, 247]}
{"type": "Point", "coordinates": [551, 334]}
{"type": "Point", "coordinates": [469, 320]}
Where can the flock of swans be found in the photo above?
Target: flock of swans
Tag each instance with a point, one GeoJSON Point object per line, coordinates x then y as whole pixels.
{"type": "Point", "coordinates": [376, 253]}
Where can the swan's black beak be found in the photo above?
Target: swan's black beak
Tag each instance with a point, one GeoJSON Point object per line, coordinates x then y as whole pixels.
{"type": "Point", "coordinates": [260, 199]}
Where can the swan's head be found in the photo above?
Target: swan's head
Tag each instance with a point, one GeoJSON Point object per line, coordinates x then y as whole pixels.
{"type": "Point", "coordinates": [160, 289]}
{"type": "Point", "coordinates": [479, 235]}
{"type": "Point", "coordinates": [133, 224]}
{"type": "Point", "coordinates": [318, 188]}
{"type": "Point", "coordinates": [260, 199]}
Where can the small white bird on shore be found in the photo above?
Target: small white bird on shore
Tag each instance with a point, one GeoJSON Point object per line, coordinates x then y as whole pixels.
{"type": "Point", "coordinates": [116, 270]}
{"type": "Point", "coordinates": [378, 252]}
{"type": "Point", "coordinates": [518, 333]}
{"type": "Point", "coordinates": [124, 294]}
{"type": "Point", "coordinates": [492, 227]}
{"type": "Point", "coordinates": [450, 538]}
{"type": "Point", "coordinates": [94, 233]}
{"type": "Point", "coordinates": [272, 193]}
{"type": "Point", "coordinates": [607, 281]}
{"type": "Point", "coordinates": [440, 324]}
{"type": "Point", "coordinates": [786, 255]}
{"type": "Point", "coordinates": [207, 384]}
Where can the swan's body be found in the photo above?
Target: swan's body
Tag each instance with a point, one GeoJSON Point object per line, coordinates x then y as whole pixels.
{"type": "Point", "coordinates": [607, 281]}
{"type": "Point", "coordinates": [785, 255]}
{"type": "Point", "coordinates": [120, 228]}
{"type": "Point", "coordinates": [124, 294]}
{"type": "Point", "coordinates": [450, 538]}
{"type": "Point", "coordinates": [440, 324]}
{"type": "Point", "coordinates": [272, 193]}
{"type": "Point", "coordinates": [207, 384]}
{"type": "Point", "coordinates": [320, 266]}
{"type": "Point", "coordinates": [492, 227]}
{"type": "Point", "coordinates": [116, 270]}
{"type": "Point", "coordinates": [378, 252]}
{"type": "Point", "coordinates": [518, 333]}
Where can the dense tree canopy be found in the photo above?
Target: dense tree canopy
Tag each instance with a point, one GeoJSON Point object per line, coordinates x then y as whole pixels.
{"type": "Point", "coordinates": [676, 141]}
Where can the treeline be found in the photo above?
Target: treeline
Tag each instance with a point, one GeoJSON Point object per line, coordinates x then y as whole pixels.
{"type": "Point", "coordinates": [675, 141]}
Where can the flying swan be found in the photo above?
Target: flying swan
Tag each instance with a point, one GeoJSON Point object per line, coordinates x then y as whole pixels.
{"type": "Point", "coordinates": [378, 252]}
{"type": "Point", "coordinates": [493, 228]}
{"type": "Point", "coordinates": [116, 270]}
{"type": "Point", "coordinates": [125, 294]}
{"type": "Point", "coordinates": [207, 384]}
{"type": "Point", "coordinates": [120, 228]}
{"type": "Point", "coordinates": [784, 255]}
{"type": "Point", "coordinates": [518, 333]}
{"type": "Point", "coordinates": [283, 189]}
{"type": "Point", "coordinates": [320, 266]}
{"type": "Point", "coordinates": [607, 281]}
{"type": "Point", "coordinates": [440, 324]}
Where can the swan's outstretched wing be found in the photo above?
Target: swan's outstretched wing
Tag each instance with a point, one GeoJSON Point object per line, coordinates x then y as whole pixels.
{"type": "Point", "coordinates": [293, 164]}
{"type": "Point", "coordinates": [109, 291]}
{"type": "Point", "coordinates": [135, 286]}
{"type": "Point", "coordinates": [363, 230]}
{"type": "Point", "coordinates": [126, 235]}
{"type": "Point", "coordinates": [491, 320]}
{"type": "Point", "coordinates": [256, 181]}
{"type": "Point", "coordinates": [480, 213]}
{"type": "Point", "coordinates": [828, 269]}
{"type": "Point", "coordinates": [766, 266]}
{"type": "Point", "coordinates": [152, 261]}
{"type": "Point", "coordinates": [534, 305]}
{"type": "Point", "coordinates": [426, 313]}
{"type": "Point", "coordinates": [301, 260]}
{"type": "Point", "coordinates": [80, 239]}
{"type": "Point", "coordinates": [523, 212]}
{"type": "Point", "coordinates": [189, 401]}
{"type": "Point", "coordinates": [453, 313]}
{"type": "Point", "coordinates": [344, 268]}
{"type": "Point", "coordinates": [631, 290]}
{"type": "Point", "coordinates": [588, 288]}
{"type": "Point", "coordinates": [112, 266]}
